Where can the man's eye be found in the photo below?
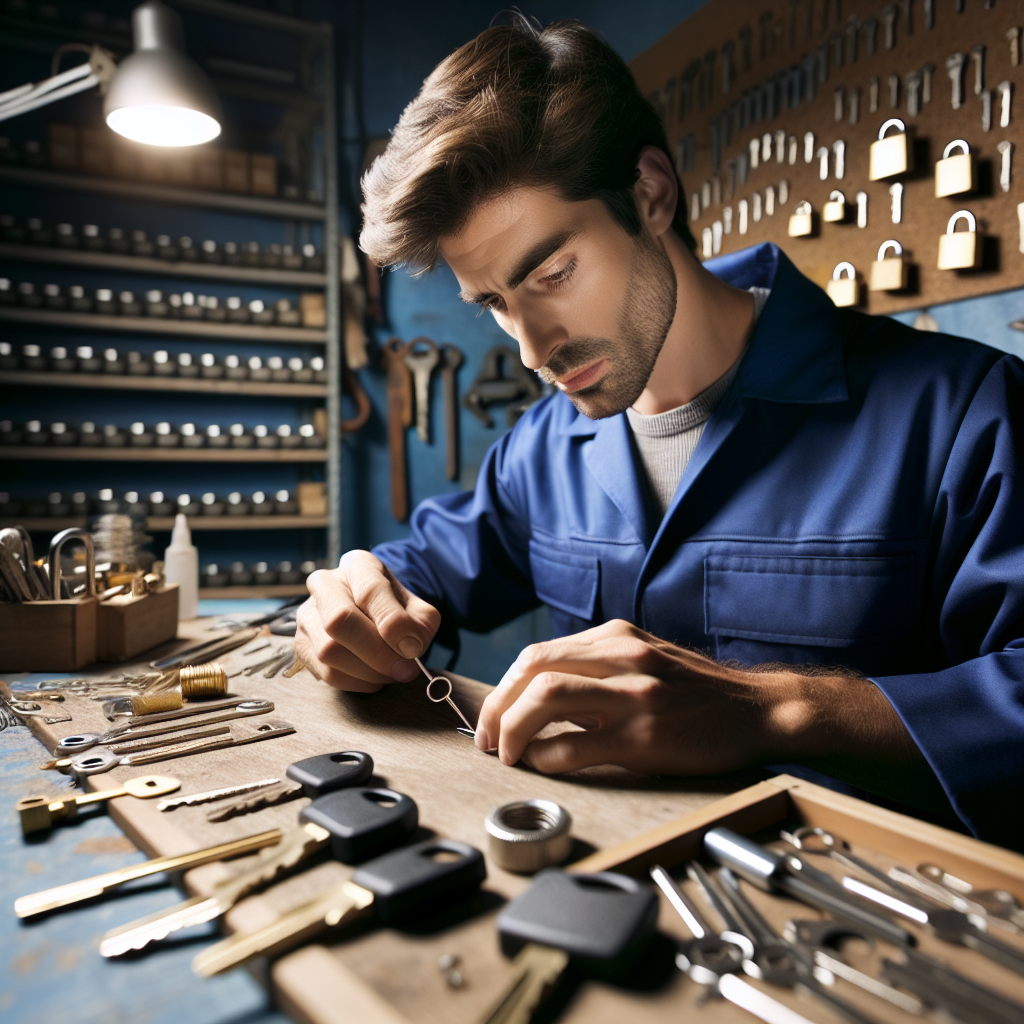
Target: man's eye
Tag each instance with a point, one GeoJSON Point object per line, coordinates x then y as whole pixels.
{"type": "Point", "coordinates": [559, 278]}
{"type": "Point", "coordinates": [491, 305]}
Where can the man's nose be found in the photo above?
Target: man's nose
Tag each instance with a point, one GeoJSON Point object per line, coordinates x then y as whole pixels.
{"type": "Point", "coordinates": [537, 340]}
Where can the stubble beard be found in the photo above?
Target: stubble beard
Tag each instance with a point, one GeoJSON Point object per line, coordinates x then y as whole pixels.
{"type": "Point", "coordinates": [648, 310]}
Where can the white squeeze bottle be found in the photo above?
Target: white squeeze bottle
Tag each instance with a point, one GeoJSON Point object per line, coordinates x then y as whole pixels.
{"type": "Point", "coordinates": [181, 566]}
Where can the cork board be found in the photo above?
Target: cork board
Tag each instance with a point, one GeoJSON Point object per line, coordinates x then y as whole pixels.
{"type": "Point", "coordinates": [728, 74]}
{"type": "Point", "coordinates": [416, 750]}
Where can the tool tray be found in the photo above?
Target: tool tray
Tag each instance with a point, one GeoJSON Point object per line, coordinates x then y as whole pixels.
{"type": "Point", "coordinates": [621, 821]}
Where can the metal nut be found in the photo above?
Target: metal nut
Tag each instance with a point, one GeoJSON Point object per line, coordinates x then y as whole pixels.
{"type": "Point", "coordinates": [528, 835]}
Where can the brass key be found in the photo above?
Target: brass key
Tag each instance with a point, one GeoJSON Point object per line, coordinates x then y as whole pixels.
{"type": "Point", "coordinates": [89, 888]}
{"type": "Point", "coordinates": [39, 813]}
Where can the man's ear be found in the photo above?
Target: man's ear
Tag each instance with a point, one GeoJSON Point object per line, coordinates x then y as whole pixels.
{"type": "Point", "coordinates": [656, 191]}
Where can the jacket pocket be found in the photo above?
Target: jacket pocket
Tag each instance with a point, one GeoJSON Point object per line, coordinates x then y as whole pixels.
{"type": "Point", "coordinates": [811, 601]}
{"type": "Point", "coordinates": [566, 580]}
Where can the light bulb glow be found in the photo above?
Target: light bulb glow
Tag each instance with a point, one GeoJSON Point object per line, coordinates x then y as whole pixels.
{"type": "Point", "coordinates": [163, 126]}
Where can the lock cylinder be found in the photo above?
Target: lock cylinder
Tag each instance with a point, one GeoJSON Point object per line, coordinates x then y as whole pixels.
{"type": "Point", "coordinates": [960, 250]}
{"type": "Point", "coordinates": [955, 173]}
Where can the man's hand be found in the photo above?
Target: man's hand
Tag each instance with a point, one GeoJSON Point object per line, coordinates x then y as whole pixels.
{"type": "Point", "coordinates": [361, 627]}
{"type": "Point", "coordinates": [652, 707]}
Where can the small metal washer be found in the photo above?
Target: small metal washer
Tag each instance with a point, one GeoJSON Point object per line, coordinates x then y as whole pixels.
{"type": "Point", "coordinates": [528, 835]}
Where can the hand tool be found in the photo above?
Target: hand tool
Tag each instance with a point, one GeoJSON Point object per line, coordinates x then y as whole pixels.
{"type": "Point", "coordinates": [603, 921]}
{"type": "Point", "coordinates": [442, 682]}
{"type": "Point", "coordinates": [199, 654]}
{"type": "Point", "coordinates": [395, 885]}
{"type": "Point", "coordinates": [39, 813]}
{"type": "Point", "coordinates": [358, 823]}
{"type": "Point", "coordinates": [528, 835]}
{"type": "Point", "coordinates": [503, 378]}
{"type": "Point", "coordinates": [313, 777]}
{"type": "Point", "coordinates": [996, 902]}
{"type": "Point", "coordinates": [947, 898]}
{"type": "Point", "coordinates": [951, 925]}
{"type": "Point", "coordinates": [399, 388]}
{"type": "Point", "coordinates": [822, 939]}
{"type": "Point", "coordinates": [242, 708]}
{"type": "Point", "coordinates": [451, 360]}
{"type": "Point", "coordinates": [421, 357]}
{"type": "Point", "coordinates": [213, 794]}
{"type": "Point", "coordinates": [89, 888]}
{"type": "Point", "coordinates": [96, 762]}
{"type": "Point", "coordinates": [713, 960]}
{"type": "Point", "coordinates": [775, 960]}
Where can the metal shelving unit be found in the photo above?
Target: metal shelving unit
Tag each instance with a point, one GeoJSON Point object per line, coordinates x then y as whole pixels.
{"type": "Point", "coordinates": [72, 454]}
{"type": "Point", "coordinates": [150, 325]}
{"type": "Point", "coordinates": [166, 268]}
{"type": "Point", "coordinates": [186, 385]}
{"type": "Point", "coordinates": [167, 522]}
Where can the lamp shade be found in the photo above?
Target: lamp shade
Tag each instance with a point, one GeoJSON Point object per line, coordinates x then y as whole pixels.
{"type": "Point", "coordinates": [159, 95]}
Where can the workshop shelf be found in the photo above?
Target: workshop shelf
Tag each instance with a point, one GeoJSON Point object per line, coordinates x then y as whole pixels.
{"type": "Point", "coordinates": [166, 268]}
{"type": "Point", "coordinates": [127, 454]}
{"type": "Point", "coordinates": [55, 523]}
{"type": "Point", "coordinates": [187, 385]}
{"type": "Point", "coordinates": [157, 325]}
{"type": "Point", "coordinates": [271, 590]}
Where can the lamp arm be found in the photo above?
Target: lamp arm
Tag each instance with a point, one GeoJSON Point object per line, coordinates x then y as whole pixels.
{"type": "Point", "coordinates": [97, 70]}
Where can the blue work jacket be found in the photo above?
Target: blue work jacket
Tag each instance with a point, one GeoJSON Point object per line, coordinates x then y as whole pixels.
{"type": "Point", "coordinates": [856, 499]}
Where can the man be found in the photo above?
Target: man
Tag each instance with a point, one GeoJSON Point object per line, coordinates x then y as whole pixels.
{"type": "Point", "coordinates": [828, 505]}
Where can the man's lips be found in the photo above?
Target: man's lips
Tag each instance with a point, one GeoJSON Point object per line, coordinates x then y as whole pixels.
{"type": "Point", "coordinates": [584, 378]}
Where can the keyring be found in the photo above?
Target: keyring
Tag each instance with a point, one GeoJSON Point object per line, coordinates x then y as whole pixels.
{"type": "Point", "coordinates": [445, 695]}
{"type": "Point", "coordinates": [469, 730]}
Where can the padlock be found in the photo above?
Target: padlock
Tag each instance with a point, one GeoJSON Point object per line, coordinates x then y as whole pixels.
{"type": "Point", "coordinates": [959, 250]}
{"type": "Point", "coordinates": [834, 211]}
{"type": "Point", "coordinates": [844, 291]}
{"type": "Point", "coordinates": [888, 275]}
{"type": "Point", "coordinates": [893, 155]}
{"type": "Point", "coordinates": [801, 222]}
{"type": "Point", "coordinates": [955, 172]}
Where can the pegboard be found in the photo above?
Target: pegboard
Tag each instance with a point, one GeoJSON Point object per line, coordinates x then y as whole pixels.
{"type": "Point", "coordinates": [738, 70]}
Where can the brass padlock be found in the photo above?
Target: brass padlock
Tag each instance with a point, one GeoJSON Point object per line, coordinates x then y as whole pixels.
{"type": "Point", "coordinates": [888, 275]}
{"type": "Point", "coordinates": [955, 172]}
{"type": "Point", "coordinates": [801, 221]}
{"type": "Point", "coordinates": [959, 250]}
{"type": "Point", "coordinates": [834, 211]}
{"type": "Point", "coordinates": [893, 155]}
{"type": "Point", "coordinates": [844, 291]}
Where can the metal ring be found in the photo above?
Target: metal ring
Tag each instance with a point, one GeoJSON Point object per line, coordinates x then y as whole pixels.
{"type": "Point", "coordinates": [91, 762]}
{"type": "Point", "coordinates": [439, 679]}
{"type": "Point", "coordinates": [73, 744]}
{"type": "Point", "coordinates": [528, 835]}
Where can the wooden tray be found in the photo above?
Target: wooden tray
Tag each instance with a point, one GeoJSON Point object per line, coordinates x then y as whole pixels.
{"type": "Point", "coordinates": [385, 976]}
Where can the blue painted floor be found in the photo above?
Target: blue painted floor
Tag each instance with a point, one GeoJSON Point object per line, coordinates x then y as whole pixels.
{"type": "Point", "coordinates": [50, 969]}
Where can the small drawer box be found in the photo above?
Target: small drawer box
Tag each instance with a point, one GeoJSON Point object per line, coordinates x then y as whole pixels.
{"type": "Point", "coordinates": [127, 626]}
{"type": "Point", "coordinates": [48, 636]}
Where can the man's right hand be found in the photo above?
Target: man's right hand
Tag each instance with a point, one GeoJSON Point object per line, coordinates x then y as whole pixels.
{"type": "Point", "coordinates": [361, 628]}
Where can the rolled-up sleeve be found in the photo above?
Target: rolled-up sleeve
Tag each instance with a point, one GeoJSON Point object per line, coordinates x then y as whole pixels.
{"type": "Point", "coordinates": [968, 718]}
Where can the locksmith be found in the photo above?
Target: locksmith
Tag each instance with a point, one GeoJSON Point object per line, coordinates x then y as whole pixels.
{"type": "Point", "coordinates": [769, 531]}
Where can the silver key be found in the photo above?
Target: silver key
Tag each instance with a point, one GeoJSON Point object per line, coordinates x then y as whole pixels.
{"type": "Point", "coordinates": [912, 86]}
{"type": "Point", "coordinates": [986, 110]}
{"type": "Point", "coordinates": [873, 94]}
{"type": "Point", "coordinates": [808, 147]}
{"type": "Point", "coordinates": [839, 152]}
{"type": "Point", "coordinates": [855, 104]}
{"type": "Point", "coordinates": [421, 364]}
{"type": "Point", "coordinates": [978, 56]}
{"type": "Point", "coordinates": [212, 794]}
{"type": "Point", "coordinates": [894, 91]}
{"type": "Point", "coordinates": [1005, 93]}
{"type": "Point", "coordinates": [823, 163]}
{"type": "Point", "coordinates": [889, 15]}
{"type": "Point", "coordinates": [1006, 152]}
{"type": "Point", "coordinates": [955, 70]}
{"type": "Point", "coordinates": [270, 796]}
{"type": "Point", "coordinates": [896, 195]}
{"type": "Point", "coordinates": [927, 76]}
{"type": "Point", "coordinates": [862, 209]}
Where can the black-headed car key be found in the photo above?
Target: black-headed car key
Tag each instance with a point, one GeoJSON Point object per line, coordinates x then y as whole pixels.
{"type": "Point", "coordinates": [395, 886]}
{"type": "Point", "coordinates": [601, 921]}
{"type": "Point", "coordinates": [358, 823]}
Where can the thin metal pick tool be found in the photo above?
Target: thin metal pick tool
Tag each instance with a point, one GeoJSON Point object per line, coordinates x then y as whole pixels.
{"type": "Point", "coordinates": [446, 696]}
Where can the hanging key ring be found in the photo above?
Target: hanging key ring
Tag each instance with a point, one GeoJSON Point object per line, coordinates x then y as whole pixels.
{"type": "Point", "coordinates": [446, 696]}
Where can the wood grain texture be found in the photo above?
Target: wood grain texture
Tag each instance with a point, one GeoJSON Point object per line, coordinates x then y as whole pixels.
{"type": "Point", "coordinates": [924, 216]}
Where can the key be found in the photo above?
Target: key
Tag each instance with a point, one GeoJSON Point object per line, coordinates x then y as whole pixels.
{"type": "Point", "coordinates": [955, 70]}
{"type": "Point", "coordinates": [1005, 92]}
{"type": "Point", "coordinates": [839, 152]}
{"type": "Point", "coordinates": [890, 12]}
{"type": "Point", "coordinates": [357, 823]}
{"type": "Point", "coordinates": [927, 75]}
{"type": "Point", "coordinates": [437, 696]}
{"type": "Point", "coordinates": [314, 777]}
{"type": "Point", "coordinates": [103, 760]}
{"type": "Point", "coordinates": [713, 960]}
{"type": "Point", "coordinates": [873, 94]}
{"type": "Point", "coordinates": [870, 27]}
{"type": "Point", "coordinates": [894, 91]}
{"type": "Point", "coordinates": [212, 794]}
{"type": "Point", "coordinates": [421, 357]}
{"type": "Point", "coordinates": [855, 104]}
{"type": "Point", "coordinates": [1013, 38]}
{"type": "Point", "coordinates": [399, 388]}
{"type": "Point", "coordinates": [755, 152]}
{"type": "Point", "coordinates": [780, 146]}
{"type": "Point", "coordinates": [603, 919]}
{"type": "Point", "coordinates": [766, 147]}
{"type": "Point", "coordinates": [838, 102]}
{"type": "Point", "coordinates": [907, 6]}
{"type": "Point", "coordinates": [862, 209]}
{"type": "Point", "coordinates": [808, 147]}
{"type": "Point", "coordinates": [39, 813]}
{"type": "Point", "coordinates": [395, 886]}
{"type": "Point", "coordinates": [896, 197]}
{"type": "Point", "coordinates": [823, 163]}
{"type": "Point", "coordinates": [89, 888]}
{"type": "Point", "coordinates": [978, 56]}
{"type": "Point", "coordinates": [929, 15]}
{"type": "Point", "coordinates": [913, 90]}
{"type": "Point", "coordinates": [986, 110]}
{"type": "Point", "coordinates": [451, 360]}
{"type": "Point", "coordinates": [852, 30]}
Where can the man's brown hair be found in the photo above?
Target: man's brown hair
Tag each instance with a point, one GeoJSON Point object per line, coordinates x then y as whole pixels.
{"type": "Point", "coordinates": [518, 106]}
